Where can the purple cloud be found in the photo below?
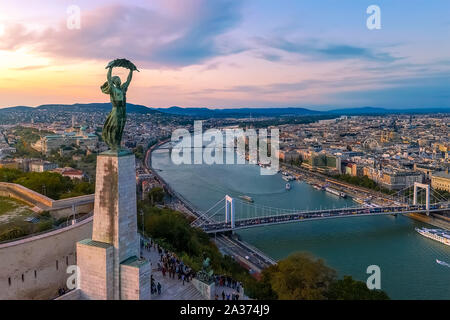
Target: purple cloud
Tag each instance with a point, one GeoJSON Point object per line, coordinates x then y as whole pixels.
{"type": "Point", "coordinates": [175, 39]}
{"type": "Point", "coordinates": [325, 51]}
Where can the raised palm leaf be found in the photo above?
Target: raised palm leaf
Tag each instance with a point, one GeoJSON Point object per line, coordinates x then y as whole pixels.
{"type": "Point", "coordinates": [124, 63]}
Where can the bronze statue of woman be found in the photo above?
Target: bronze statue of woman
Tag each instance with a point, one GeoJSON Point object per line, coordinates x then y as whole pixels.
{"type": "Point", "coordinates": [115, 123]}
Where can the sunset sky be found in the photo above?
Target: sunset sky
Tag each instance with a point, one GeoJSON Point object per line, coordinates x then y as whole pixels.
{"type": "Point", "coordinates": [229, 53]}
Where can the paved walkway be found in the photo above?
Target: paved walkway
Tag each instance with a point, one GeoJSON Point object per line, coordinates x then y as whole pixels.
{"type": "Point", "coordinates": [440, 223]}
{"type": "Point", "coordinates": [229, 291]}
{"type": "Point", "coordinates": [173, 289]}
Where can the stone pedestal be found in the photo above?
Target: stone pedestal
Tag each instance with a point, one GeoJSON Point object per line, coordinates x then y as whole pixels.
{"type": "Point", "coordinates": [207, 290]}
{"type": "Point", "coordinates": [115, 219]}
{"type": "Point", "coordinates": [115, 230]}
{"type": "Point", "coordinates": [96, 263]}
{"type": "Point", "coordinates": [135, 279]}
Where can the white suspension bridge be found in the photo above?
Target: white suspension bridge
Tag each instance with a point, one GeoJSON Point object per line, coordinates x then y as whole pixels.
{"type": "Point", "coordinates": [230, 214]}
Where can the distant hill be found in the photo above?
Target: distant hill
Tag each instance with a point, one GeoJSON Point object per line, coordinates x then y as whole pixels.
{"type": "Point", "coordinates": [381, 111]}
{"type": "Point", "coordinates": [79, 107]}
{"type": "Point", "coordinates": [95, 107]}
{"type": "Point", "coordinates": [224, 113]}
{"type": "Point", "coordinates": [359, 111]}
{"type": "Point", "coordinates": [284, 112]}
{"type": "Point", "coordinates": [18, 108]}
{"type": "Point", "coordinates": [188, 111]}
{"type": "Point", "coordinates": [240, 113]}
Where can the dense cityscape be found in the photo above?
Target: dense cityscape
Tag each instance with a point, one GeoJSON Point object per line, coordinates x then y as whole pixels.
{"type": "Point", "coordinates": [393, 151]}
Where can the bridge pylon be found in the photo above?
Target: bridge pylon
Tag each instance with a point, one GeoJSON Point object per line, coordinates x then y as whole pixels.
{"type": "Point", "coordinates": [427, 189]}
{"type": "Point", "coordinates": [229, 211]}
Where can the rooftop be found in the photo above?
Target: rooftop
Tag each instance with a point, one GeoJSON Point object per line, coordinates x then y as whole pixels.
{"type": "Point", "coordinates": [90, 242]}
{"type": "Point", "coordinates": [442, 174]}
{"type": "Point", "coordinates": [134, 262]}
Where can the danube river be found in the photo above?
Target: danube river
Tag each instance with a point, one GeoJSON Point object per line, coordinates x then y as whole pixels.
{"type": "Point", "coordinates": [349, 245]}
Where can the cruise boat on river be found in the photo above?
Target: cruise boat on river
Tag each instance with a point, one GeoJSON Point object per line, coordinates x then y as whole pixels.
{"type": "Point", "coordinates": [440, 235]}
{"type": "Point", "coordinates": [246, 198]}
{"type": "Point", "coordinates": [335, 192]}
{"type": "Point", "coordinates": [442, 263]}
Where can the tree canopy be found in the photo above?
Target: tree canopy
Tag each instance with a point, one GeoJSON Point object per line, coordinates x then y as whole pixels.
{"type": "Point", "coordinates": [156, 195]}
{"type": "Point", "coordinates": [350, 289]}
{"type": "Point", "coordinates": [51, 184]}
{"type": "Point", "coordinates": [300, 277]}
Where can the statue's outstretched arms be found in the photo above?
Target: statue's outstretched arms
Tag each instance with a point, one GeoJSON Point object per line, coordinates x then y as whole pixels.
{"type": "Point", "coordinates": [127, 83]}
{"type": "Point", "coordinates": [109, 77]}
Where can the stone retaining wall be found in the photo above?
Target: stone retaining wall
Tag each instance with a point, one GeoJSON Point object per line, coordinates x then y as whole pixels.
{"type": "Point", "coordinates": [35, 267]}
{"type": "Point", "coordinates": [58, 208]}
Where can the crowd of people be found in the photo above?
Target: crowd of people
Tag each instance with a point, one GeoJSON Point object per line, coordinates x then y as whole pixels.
{"type": "Point", "coordinates": [173, 267]}
{"type": "Point", "coordinates": [62, 291]}
{"type": "Point", "coordinates": [155, 288]}
{"type": "Point", "coordinates": [227, 282]}
{"type": "Point", "coordinates": [169, 264]}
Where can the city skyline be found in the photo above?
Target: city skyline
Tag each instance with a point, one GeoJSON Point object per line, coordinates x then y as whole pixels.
{"type": "Point", "coordinates": [228, 54]}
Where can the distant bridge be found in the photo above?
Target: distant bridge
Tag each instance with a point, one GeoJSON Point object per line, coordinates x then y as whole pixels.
{"type": "Point", "coordinates": [239, 214]}
{"type": "Point", "coordinates": [171, 146]}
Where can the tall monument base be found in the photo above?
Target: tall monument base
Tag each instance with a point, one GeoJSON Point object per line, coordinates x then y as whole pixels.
{"type": "Point", "coordinates": [108, 263]}
{"type": "Point", "coordinates": [207, 290]}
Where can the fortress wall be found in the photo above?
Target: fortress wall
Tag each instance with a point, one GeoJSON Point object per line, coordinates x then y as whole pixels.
{"type": "Point", "coordinates": [35, 268]}
{"type": "Point", "coordinates": [72, 295]}
{"type": "Point", "coordinates": [66, 212]}
{"type": "Point", "coordinates": [58, 208]}
{"type": "Point", "coordinates": [70, 201]}
{"type": "Point", "coordinates": [21, 193]}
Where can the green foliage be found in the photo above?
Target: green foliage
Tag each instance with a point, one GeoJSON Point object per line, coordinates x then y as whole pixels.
{"type": "Point", "coordinates": [156, 195]}
{"type": "Point", "coordinates": [349, 289]}
{"type": "Point", "coordinates": [27, 137]}
{"type": "Point", "coordinates": [50, 184]}
{"type": "Point", "coordinates": [9, 175]}
{"type": "Point", "coordinates": [24, 149]}
{"type": "Point", "coordinates": [364, 182]}
{"type": "Point", "coordinates": [46, 214]}
{"type": "Point", "coordinates": [20, 228]}
{"type": "Point", "coordinates": [260, 289]}
{"type": "Point", "coordinates": [12, 233]}
{"type": "Point", "coordinates": [7, 206]}
{"type": "Point", "coordinates": [173, 228]}
{"type": "Point", "coordinates": [139, 152]}
{"type": "Point", "coordinates": [79, 189]}
{"type": "Point", "coordinates": [300, 277]}
{"type": "Point", "coordinates": [91, 158]}
{"type": "Point", "coordinates": [62, 161]}
{"type": "Point", "coordinates": [44, 225]}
